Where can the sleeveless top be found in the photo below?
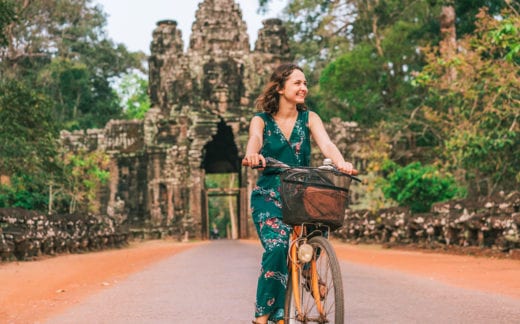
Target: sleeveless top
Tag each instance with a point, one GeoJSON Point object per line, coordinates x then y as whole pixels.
{"type": "Point", "coordinates": [295, 151]}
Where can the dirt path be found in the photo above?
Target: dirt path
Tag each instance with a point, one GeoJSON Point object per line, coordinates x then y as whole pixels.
{"type": "Point", "coordinates": [501, 276]}
{"type": "Point", "coordinates": [32, 291]}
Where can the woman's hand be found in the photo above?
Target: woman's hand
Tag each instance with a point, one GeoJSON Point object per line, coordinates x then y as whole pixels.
{"type": "Point", "coordinates": [253, 160]}
{"type": "Point", "coordinates": [346, 167]}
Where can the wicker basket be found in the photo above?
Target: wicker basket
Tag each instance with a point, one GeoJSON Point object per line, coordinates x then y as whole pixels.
{"type": "Point", "coordinates": [314, 196]}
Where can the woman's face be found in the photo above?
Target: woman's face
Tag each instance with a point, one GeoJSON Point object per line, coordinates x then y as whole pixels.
{"type": "Point", "coordinates": [295, 88]}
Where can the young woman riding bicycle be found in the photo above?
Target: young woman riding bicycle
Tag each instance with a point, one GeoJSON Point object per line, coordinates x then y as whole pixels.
{"type": "Point", "coordinates": [282, 130]}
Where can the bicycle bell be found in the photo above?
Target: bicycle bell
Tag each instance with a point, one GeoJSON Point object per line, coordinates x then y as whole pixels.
{"type": "Point", "coordinates": [327, 164]}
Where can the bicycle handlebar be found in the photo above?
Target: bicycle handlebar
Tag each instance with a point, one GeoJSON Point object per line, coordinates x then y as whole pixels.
{"type": "Point", "coordinates": [274, 163]}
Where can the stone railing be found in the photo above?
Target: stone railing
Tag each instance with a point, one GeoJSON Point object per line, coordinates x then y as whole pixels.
{"type": "Point", "coordinates": [490, 224]}
{"type": "Point", "coordinates": [25, 235]}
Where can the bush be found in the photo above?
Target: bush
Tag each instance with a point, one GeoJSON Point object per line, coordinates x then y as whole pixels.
{"type": "Point", "coordinates": [418, 187]}
{"type": "Point", "coordinates": [25, 192]}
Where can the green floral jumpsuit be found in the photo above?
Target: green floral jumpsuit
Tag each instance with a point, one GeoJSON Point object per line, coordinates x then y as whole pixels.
{"type": "Point", "coordinates": [267, 211]}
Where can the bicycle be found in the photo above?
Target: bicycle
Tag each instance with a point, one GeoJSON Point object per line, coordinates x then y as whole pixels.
{"type": "Point", "coordinates": [314, 200]}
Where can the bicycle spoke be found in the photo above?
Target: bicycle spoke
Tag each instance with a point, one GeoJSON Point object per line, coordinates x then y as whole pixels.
{"type": "Point", "coordinates": [329, 275]}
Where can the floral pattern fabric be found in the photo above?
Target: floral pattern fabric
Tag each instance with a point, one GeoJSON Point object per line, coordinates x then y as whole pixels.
{"type": "Point", "coordinates": [267, 211]}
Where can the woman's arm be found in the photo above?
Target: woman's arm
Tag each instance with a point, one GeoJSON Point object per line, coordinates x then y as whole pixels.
{"type": "Point", "coordinates": [329, 149]}
{"type": "Point", "coordinates": [255, 142]}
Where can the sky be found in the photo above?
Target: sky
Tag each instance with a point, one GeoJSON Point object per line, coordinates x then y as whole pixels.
{"type": "Point", "coordinates": [132, 22]}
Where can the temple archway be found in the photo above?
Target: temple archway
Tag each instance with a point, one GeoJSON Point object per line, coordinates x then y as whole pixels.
{"type": "Point", "coordinates": [221, 153]}
{"type": "Point", "coordinates": [221, 192]}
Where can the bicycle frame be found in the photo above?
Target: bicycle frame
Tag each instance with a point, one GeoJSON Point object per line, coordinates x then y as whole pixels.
{"type": "Point", "coordinates": [294, 267]}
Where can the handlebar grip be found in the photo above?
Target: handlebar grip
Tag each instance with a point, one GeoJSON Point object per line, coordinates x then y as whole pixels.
{"type": "Point", "coordinates": [247, 164]}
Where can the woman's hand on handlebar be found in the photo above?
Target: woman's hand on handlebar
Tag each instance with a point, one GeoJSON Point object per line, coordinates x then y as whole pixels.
{"type": "Point", "coordinates": [254, 160]}
{"type": "Point", "coordinates": [347, 167]}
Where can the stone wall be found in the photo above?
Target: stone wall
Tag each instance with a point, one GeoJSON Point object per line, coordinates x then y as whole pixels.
{"type": "Point", "coordinates": [25, 235]}
{"type": "Point", "coordinates": [484, 226]}
{"type": "Point", "coordinates": [489, 226]}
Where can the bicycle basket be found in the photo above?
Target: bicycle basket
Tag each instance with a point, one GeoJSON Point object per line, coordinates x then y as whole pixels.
{"type": "Point", "coordinates": [314, 196]}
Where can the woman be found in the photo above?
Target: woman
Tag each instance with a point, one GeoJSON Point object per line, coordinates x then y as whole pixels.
{"type": "Point", "coordinates": [282, 131]}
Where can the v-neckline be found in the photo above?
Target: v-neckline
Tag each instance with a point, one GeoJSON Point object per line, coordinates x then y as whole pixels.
{"type": "Point", "coordinates": [288, 139]}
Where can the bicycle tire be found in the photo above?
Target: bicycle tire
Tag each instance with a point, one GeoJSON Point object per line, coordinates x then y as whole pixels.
{"type": "Point", "coordinates": [330, 273]}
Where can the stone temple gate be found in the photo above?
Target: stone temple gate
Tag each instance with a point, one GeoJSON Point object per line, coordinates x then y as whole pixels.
{"type": "Point", "coordinates": [202, 102]}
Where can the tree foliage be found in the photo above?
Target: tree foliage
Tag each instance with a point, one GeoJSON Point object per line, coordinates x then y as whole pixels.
{"type": "Point", "coordinates": [7, 16]}
{"type": "Point", "coordinates": [133, 92]}
{"type": "Point", "coordinates": [28, 145]}
{"type": "Point", "coordinates": [61, 47]}
{"type": "Point", "coordinates": [476, 116]}
{"type": "Point", "coordinates": [28, 131]}
{"type": "Point", "coordinates": [24, 191]}
{"type": "Point", "coordinates": [369, 68]}
{"type": "Point", "coordinates": [363, 53]}
{"type": "Point", "coordinates": [85, 173]}
{"type": "Point", "coordinates": [57, 69]}
{"type": "Point", "coordinates": [418, 186]}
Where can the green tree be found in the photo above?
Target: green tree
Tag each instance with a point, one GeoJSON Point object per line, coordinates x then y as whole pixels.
{"type": "Point", "coordinates": [476, 116]}
{"type": "Point", "coordinates": [85, 173]}
{"type": "Point", "coordinates": [27, 132]}
{"type": "Point", "coordinates": [364, 53]}
{"type": "Point", "coordinates": [57, 68]}
{"type": "Point", "coordinates": [133, 93]}
{"type": "Point", "coordinates": [28, 145]}
{"type": "Point", "coordinates": [61, 47]}
{"type": "Point", "coordinates": [372, 81]}
{"type": "Point", "coordinates": [7, 16]}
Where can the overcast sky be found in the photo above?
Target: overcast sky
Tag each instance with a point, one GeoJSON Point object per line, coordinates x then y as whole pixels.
{"type": "Point", "coordinates": [132, 22]}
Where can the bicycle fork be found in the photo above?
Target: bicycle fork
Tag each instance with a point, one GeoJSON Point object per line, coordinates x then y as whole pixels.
{"type": "Point", "coordinates": [295, 268]}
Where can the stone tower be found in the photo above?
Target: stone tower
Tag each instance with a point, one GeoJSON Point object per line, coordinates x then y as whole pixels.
{"type": "Point", "coordinates": [202, 101]}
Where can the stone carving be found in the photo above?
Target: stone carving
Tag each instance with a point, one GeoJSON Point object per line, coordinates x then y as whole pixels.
{"type": "Point", "coordinates": [272, 39]}
{"type": "Point", "coordinates": [199, 97]}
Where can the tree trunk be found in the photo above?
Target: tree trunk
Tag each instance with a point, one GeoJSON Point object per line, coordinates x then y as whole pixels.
{"type": "Point", "coordinates": [448, 44]}
{"type": "Point", "coordinates": [375, 26]}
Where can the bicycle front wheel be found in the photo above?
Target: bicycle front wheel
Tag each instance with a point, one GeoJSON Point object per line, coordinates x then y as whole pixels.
{"type": "Point", "coordinates": [331, 308]}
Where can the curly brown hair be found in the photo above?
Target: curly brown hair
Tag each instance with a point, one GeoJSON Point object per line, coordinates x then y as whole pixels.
{"type": "Point", "coordinates": [267, 101]}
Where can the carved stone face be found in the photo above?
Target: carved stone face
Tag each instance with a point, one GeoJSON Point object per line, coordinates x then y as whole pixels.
{"type": "Point", "coordinates": [222, 83]}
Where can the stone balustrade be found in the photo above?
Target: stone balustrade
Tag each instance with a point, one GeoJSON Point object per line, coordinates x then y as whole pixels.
{"type": "Point", "coordinates": [491, 223]}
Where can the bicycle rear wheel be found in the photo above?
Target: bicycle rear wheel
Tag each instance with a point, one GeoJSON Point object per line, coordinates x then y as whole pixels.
{"type": "Point", "coordinates": [332, 301]}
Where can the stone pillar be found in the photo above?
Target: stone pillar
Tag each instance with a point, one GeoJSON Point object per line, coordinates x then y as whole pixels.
{"type": "Point", "coordinates": [166, 53]}
{"type": "Point", "coordinates": [195, 207]}
{"type": "Point", "coordinates": [169, 212]}
{"type": "Point", "coordinates": [155, 189]}
{"type": "Point", "coordinates": [113, 182]}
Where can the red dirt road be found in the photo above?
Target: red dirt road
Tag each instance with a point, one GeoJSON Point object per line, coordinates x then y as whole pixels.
{"type": "Point", "coordinates": [33, 291]}
{"type": "Point", "coordinates": [495, 275]}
